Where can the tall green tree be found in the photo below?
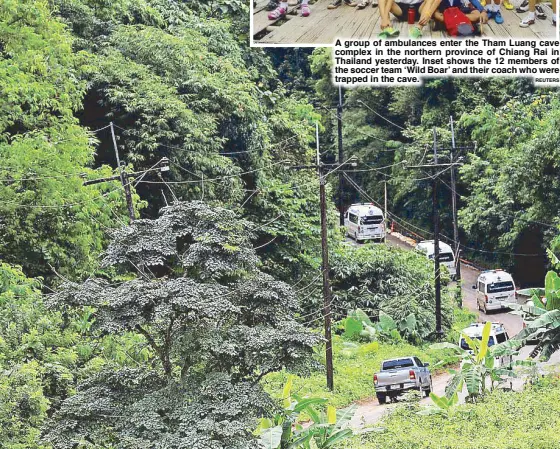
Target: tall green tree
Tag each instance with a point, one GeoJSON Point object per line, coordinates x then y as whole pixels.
{"type": "Point", "coordinates": [216, 323]}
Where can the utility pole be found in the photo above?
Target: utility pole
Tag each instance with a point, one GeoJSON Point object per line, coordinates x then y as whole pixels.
{"type": "Point", "coordinates": [340, 157]}
{"type": "Point", "coordinates": [124, 178]}
{"type": "Point", "coordinates": [320, 167]}
{"type": "Point", "coordinates": [435, 212]}
{"type": "Point", "coordinates": [385, 204]}
{"type": "Point", "coordinates": [160, 167]}
{"type": "Point", "coordinates": [326, 281]}
{"type": "Point", "coordinates": [454, 206]}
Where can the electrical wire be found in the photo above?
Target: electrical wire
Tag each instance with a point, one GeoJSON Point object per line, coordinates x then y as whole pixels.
{"type": "Point", "coordinates": [315, 279]}
{"type": "Point", "coordinates": [101, 129]}
{"type": "Point", "coordinates": [39, 178]}
{"type": "Point", "coordinates": [221, 177]}
{"type": "Point", "coordinates": [267, 223]}
{"type": "Point", "coordinates": [382, 117]}
{"type": "Point", "coordinates": [266, 244]}
{"type": "Point", "coordinates": [377, 168]}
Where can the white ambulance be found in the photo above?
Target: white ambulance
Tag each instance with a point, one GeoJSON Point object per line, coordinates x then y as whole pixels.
{"type": "Point", "coordinates": [498, 334]}
{"type": "Point", "coordinates": [364, 221]}
{"type": "Point", "coordinates": [446, 256]}
{"type": "Point", "coordinates": [495, 289]}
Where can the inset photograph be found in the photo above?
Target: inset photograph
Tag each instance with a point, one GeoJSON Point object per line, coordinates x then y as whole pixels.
{"type": "Point", "coordinates": [320, 22]}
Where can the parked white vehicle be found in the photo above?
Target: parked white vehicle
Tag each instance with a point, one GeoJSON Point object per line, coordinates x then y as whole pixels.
{"type": "Point", "coordinates": [365, 222]}
{"type": "Point", "coordinates": [446, 256]}
{"type": "Point", "coordinates": [495, 289]}
{"type": "Point", "coordinates": [498, 334]}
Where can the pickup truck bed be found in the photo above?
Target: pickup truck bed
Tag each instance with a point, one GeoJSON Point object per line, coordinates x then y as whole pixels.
{"type": "Point", "coordinates": [399, 375]}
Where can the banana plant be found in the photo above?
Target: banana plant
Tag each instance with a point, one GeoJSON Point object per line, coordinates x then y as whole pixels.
{"type": "Point", "coordinates": [542, 319]}
{"type": "Point", "coordinates": [442, 405]}
{"type": "Point", "coordinates": [478, 365]}
{"type": "Point", "coordinates": [327, 428]}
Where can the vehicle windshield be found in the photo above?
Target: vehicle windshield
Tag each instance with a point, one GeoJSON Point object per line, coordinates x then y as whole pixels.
{"type": "Point", "coordinates": [498, 287]}
{"type": "Point", "coordinates": [466, 347]}
{"type": "Point", "coordinates": [446, 257]}
{"type": "Point", "coordinates": [395, 364]}
{"type": "Point", "coordinates": [374, 219]}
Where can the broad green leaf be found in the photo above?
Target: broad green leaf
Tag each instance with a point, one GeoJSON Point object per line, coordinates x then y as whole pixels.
{"type": "Point", "coordinates": [270, 438]}
{"type": "Point", "coordinates": [337, 437]}
{"type": "Point", "coordinates": [286, 392]}
{"type": "Point", "coordinates": [303, 404]}
{"type": "Point", "coordinates": [343, 416]}
{"type": "Point", "coordinates": [484, 343]}
{"type": "Point", "coordinates": [331, 414]}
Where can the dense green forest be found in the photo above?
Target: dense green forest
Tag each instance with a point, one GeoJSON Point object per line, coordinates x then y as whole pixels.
{"type": "Point", "coordinates": [179, 328]}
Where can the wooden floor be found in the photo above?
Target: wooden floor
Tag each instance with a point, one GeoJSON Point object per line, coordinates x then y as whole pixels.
{"type": "Point", "coordinates": [323, 26]}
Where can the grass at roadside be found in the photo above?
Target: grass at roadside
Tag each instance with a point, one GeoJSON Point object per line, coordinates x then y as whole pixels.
{"type": "Point", "coordinates": [503, 420]}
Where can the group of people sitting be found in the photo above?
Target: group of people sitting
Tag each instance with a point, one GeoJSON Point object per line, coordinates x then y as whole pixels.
{"type": "Point", "coordinates": [477, 11]}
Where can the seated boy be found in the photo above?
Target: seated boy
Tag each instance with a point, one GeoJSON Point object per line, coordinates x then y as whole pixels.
{"type": "Point", "coordinates": [399, 10]}
{"type": "Point", "coordinates": [472, 9]}
{"type": "Point", "coordinates": [423, 12]}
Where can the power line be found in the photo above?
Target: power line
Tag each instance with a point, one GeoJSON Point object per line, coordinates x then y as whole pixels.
{"type": "Point", "coordinates": [101, 129]}
{"type": "Point", "coordinates": [377, 168]}
{"type": "Point", "coordinates": [39, 178]}
{"type": "Point", "coordinates": [380, 116]}
{"type": "Point", "coordinates": [221, 177]}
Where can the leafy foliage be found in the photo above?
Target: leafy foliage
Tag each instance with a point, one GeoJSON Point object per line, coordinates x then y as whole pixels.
{"type": "Point", "coordinates": [283, 431]}
{"type": "Point", "coordinates": [542, 319]}
{"type": "Point", "coordinates": [358, 325]}
{"type": "Point", "coordinates": [386, 280]}
{"type": "Point", "coordinates": [216, 323]}
{"type": "Point", "coordinates": [478, 365]}
{"type": "Point", "coordinates": [46, 213]}
{"type": "Point", "coordinates": [44, 354]}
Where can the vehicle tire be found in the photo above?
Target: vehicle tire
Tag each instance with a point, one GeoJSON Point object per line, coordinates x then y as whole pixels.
{"type": "Point", "coordinates": [356, 238]}
{"type": "Point", "coordinates": [430, 388]}
{"type": "Point", "coordinates": [382, 398]}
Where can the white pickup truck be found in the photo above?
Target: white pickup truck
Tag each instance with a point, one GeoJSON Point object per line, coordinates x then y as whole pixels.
{"type": "Point", "coordinates": [399, 375]}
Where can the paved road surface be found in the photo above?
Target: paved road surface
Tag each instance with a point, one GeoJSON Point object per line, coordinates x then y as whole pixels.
{"type": "Point", "coordinates": [370, 412]}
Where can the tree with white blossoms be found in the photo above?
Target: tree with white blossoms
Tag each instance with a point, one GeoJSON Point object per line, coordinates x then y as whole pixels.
{"type": "Point", "coordinates": [214, 322]}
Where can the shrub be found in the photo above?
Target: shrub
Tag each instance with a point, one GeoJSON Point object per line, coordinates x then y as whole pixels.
{"type": "Point", "coordinates": [379, 278]}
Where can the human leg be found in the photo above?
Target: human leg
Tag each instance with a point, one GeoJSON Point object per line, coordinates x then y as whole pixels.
{"type": "Point", "coordinates": [427, 10]}
{"type": "Point", "coordinates": [384, 10]}
{"type": "Point", "coordinates": [530, 19]}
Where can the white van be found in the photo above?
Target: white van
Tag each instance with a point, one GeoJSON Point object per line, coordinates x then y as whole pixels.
{"type": "Point", "coordinates": [495, 289]}
{"type": "Point", "coordinates": [446, 256]}
{"type": "Point", "coordinates": [498, 335]}
{"type": "Point", "coordinates": [364, 221]}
